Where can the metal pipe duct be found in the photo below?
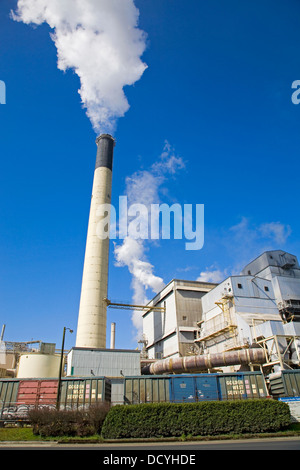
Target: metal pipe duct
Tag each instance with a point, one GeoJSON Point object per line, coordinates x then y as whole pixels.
{"type": "Point", "coordinates": [192, 364]}
{"type": "Point", "coordinates": [91, 328]}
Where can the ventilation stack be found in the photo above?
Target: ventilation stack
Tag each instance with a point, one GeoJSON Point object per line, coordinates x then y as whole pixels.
{"type": "Point", "coordinates": [91, 328]}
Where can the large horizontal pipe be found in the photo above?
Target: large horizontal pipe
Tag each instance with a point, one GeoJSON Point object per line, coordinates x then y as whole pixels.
{"type": "Point", "coordinates": [179, 365]}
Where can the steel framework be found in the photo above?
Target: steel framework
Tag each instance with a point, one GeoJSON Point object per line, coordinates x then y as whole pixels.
{"type": "Point", "coordinates": [124, 306]}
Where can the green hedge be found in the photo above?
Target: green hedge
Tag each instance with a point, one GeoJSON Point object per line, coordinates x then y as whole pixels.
{"type": "Point", "coordinates": [195, 419]}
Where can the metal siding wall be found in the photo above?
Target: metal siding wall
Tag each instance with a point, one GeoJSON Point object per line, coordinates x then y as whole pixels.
{"type": "Point", "coordinates": [37, 392]}
{"type": "Point", "coordinates": [183, 389]}
{"type": "Point", "coordinates": [105, 363]}
{"type": "Point", "coordinates": [146, 390]}
{"type": "Point", "coordinates": [81, 392]}
{"type": "Point", "coordinates": [28, 392]}
{"type": "Point", "coordinates": [189, 305]}
{"type": "Point", "coordinates": [241, 386]}
{"type": "Point", "coordinates": [48, 392]}
{"type": "Point", "coordinates": [285, 384]}
{"type": "Point", "coordinates": [8, 392]}
{"type": "Point", "coordinates": [207, 388]}
{"type": "Point", "coordinates": [291, 380]}
{"type": "Point", "coordinates": [117, 391]}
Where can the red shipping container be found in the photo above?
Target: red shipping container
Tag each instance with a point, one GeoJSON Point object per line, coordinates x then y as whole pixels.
{"type": "Point", "coordinates": [37, 392]}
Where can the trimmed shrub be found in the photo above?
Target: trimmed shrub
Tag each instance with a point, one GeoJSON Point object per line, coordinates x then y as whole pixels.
{"type": "Point", "coordinates": [195, 419]}
{"type": "Point", "coordinates": [96, 416]}
{"type": "Point", "coordinates": [48, 422]}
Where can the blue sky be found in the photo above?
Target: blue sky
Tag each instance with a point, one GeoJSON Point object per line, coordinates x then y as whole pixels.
{"type": "Point", "coordinates": [217, 88]}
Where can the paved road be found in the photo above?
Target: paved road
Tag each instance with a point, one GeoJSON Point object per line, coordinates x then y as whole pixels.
{"type": "Point", "coordinates": [289, 443]}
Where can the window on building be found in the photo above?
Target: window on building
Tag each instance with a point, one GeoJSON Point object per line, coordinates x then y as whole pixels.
{"type": "Point", "coordinates": [240, 286]}
{"type": "Point", "coordinates": [266, 289]}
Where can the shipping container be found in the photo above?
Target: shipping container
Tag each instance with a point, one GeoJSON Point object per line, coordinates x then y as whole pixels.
{"type": "Point", "coordinates": [191, 388]}
{"type": "Point", "coordinates": [18, 396]}
{"type": "Point", "coordinates": [83, 392]}
{"type": "Point", "coordinates": [8, 392]}
{"type": "Point", "coordinates": [285, 383]}
{"type": "Point", "coordinates": [37, 392]}
{"type": "Point", "coordinates": [242, 385]}
{"type": "Point", "coordinates": [154, 389]}
{"type": "Point", "coordinates": [194, 387]}
{"type": "Point", "coordinates": [207, 387]}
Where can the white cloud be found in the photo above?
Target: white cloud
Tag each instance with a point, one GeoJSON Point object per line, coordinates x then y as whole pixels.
{"type": "Point", "coordinates": [250, 239]}
{"type": "Point", "coordinates": [100, 41]}
{"type": "Point", "coordinates": [275, 231]}
{"type": "Point", "coordinates": [214, 276]}
{"type": "Point", "coordinates": [242, 243]}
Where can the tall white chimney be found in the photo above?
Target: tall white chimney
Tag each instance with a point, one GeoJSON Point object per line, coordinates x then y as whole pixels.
{"type": "Point", "coordinates": [91, 328]}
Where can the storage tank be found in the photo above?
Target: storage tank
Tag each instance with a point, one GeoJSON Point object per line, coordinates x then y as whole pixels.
{"type": "Point", "coordinates": [37, 365]}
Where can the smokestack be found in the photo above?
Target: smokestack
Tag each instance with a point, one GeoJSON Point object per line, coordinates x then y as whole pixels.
{"type": "Point", "coordinates": [2, 332]}
{"type": "Point", "coordinates": [91, 328]}
{"type": "Point", "coordinates": [112, 335]}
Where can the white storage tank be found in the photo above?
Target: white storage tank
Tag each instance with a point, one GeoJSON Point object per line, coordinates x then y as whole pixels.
{"type": "Point", "coordinates": [37, 365]}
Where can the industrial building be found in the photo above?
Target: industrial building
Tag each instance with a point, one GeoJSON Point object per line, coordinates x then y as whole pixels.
{"type": "Point", "coordinates": [283, 270]}
{"type": "Point", "coordinates": [87, 362]}
{"type": "Point", "coordinates": [260, 306]}
{"type": "Point", "coordinates": [243, 332]}
{"type": "Point", "coordinates": [172, 327]}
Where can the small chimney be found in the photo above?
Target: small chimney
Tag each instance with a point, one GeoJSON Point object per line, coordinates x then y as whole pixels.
{"type": "Point", "coordinates": [2, 332]}
{"type": "Point", "coordinates": [112, 335]}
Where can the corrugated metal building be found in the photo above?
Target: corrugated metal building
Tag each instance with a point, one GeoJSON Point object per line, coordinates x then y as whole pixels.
{"type": "Point", "coordinates": [86, 362]}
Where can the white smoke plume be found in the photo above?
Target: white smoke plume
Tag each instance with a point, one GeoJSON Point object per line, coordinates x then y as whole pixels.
{"type": "Point", "coordinates": [101, 42]}
{"type": "Point", "coordinates": [144, 187]}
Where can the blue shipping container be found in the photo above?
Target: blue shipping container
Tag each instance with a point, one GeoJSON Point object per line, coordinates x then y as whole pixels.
{"type": "Point", "coordinates": [188, 388]}
{"type": "Point", "coordinates": [191, 388]}
{"type": "Point", "coordinates": [206, 387]}
{"type": "Point", "coordinates": [182, 389]}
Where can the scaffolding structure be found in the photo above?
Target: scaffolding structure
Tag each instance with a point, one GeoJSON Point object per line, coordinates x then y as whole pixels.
{"type": "Point", "coordinates": [278, 351]}
{"type": "Point", "coordinates": [221, 325]}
